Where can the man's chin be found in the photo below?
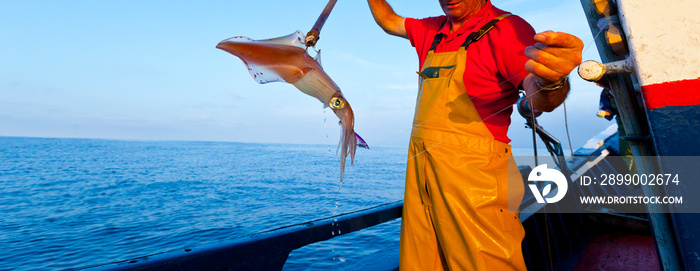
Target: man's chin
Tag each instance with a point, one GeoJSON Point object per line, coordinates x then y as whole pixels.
{"type": "Point", "coordinates": [454, 17]}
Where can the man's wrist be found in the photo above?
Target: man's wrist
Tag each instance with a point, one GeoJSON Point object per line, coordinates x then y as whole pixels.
{"type": "Point", "coordinates": [551, 87]}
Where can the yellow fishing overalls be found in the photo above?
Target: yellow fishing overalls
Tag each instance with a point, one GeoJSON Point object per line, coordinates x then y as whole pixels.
{"type": "Point", "coordinates": [455, 214]}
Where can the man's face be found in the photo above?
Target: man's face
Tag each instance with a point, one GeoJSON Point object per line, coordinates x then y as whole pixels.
{"type": "Point", "coordinates": [458, 10]}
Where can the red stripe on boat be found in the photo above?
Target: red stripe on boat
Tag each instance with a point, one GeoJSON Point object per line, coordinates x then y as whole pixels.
{"type": "Point", "coordinates": [676, 93]}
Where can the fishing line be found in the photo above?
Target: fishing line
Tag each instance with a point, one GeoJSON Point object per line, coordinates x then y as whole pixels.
{"type": "Point", "coordinates": [593, 40]}
{"type": "Point", "coordinates": [566, 118]}
{"type": "Point", "coordinates": [506, 81]}
{"type": "Point", "coordinates": [335, 228]}
{"type": "Point", "coordinates": [325, 127]}
{"type": "Point", "coordinates": [483, 120]}
{"type": "Point", "coordinates": [549, 245]}
{"type": "Point", "coordinates": [510, 106]}
{"type": "Point", "coordinates": [566, 124]}
{"type": "Point", "coordinates": [534, 132]}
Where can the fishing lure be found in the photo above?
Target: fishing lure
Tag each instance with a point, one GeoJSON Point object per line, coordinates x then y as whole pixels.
{"type": "Point", "coordinates": [285, 59]}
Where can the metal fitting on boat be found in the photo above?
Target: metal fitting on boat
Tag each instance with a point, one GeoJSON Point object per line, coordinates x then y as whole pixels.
{"type": "Point", "coordinates": [592, 70]}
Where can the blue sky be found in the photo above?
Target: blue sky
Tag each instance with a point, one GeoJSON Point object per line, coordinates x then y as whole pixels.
{"type": "Point", "coordinates": [149, 70]}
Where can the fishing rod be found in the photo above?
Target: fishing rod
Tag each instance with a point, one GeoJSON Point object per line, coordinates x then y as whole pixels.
{"type": "Point", "coordinates": [313, 35]}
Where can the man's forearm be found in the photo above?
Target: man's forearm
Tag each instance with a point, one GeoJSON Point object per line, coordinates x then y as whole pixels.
{"type": "Point", "coordinates": [386, 18]}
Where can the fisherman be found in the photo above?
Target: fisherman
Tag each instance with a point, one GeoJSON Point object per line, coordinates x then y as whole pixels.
{"type": "Point", "coordinates": [473, 61]}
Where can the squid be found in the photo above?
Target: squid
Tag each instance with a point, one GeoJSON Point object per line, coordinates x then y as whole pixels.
{"type": "Point", "coordinates": [285, 59]}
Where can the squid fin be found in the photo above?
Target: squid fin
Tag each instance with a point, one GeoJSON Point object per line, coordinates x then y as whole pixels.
{"type": "Point", "coordinates": [294, 39]}
{"type": "Point", "coordinates": [263, 73]}
{"type": "Point", "coordinates": [361, 142]}
{"type": "Point", "coordinates": [318, 58]}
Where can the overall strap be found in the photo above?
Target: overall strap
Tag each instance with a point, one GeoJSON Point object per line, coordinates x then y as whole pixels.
{"type": "Point", "coordinates": [474, 36]}
{"type": "Point", "coordinates": [438, 37]}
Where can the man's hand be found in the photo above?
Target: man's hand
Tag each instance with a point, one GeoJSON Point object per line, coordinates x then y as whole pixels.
{"type": "Point", "coordinates": [553, 57]}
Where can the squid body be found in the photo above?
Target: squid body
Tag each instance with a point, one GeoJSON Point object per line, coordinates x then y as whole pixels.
{"type": "Point", "coordinates": [285, 59]}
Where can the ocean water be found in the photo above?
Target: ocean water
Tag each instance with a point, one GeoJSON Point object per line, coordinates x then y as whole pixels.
{"type": "Point", "coordinates": [76, 203]}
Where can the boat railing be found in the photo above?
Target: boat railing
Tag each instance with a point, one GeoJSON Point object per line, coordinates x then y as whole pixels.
{"type": "Point", "coordinates": [266, 250]}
